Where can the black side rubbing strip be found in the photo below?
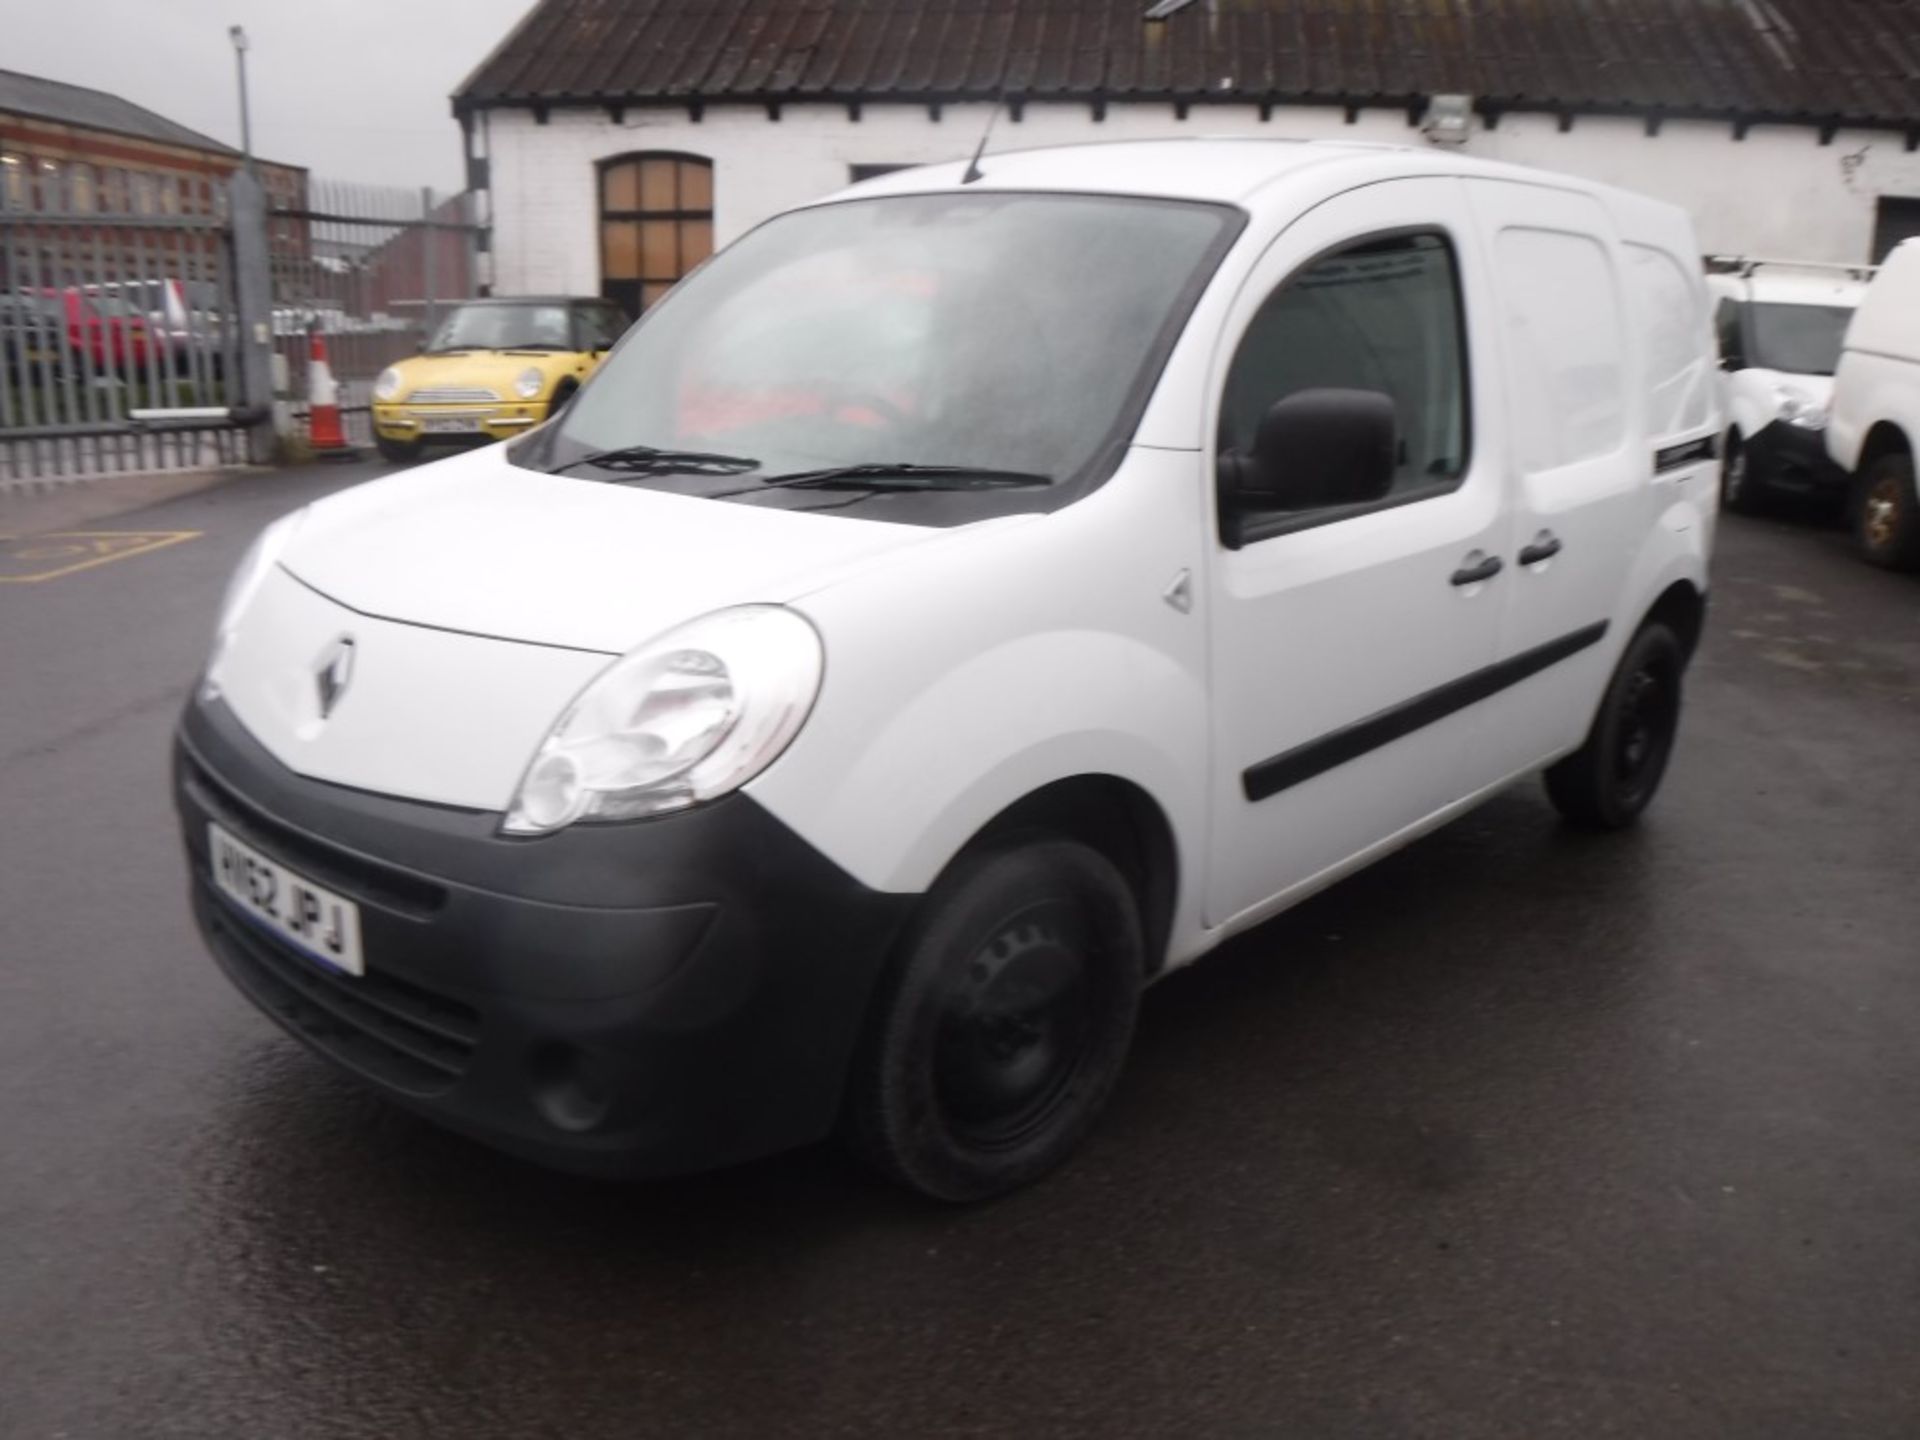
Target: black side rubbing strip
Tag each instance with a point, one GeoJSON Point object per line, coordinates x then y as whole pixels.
{"type": "Point", "coordinates": [1350, 742]}
{"type": "Point", "coordinates": [1689, 453]}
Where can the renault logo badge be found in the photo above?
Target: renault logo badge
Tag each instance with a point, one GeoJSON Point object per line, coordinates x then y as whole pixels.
{"type": "Point", "coordinates": [334, 673]}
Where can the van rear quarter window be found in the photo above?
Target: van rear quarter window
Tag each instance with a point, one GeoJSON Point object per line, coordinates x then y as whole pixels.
{"type": "Point", "coordinates": [1564, 346]}
{"type": "Point", "coordinates": [1667, 309]}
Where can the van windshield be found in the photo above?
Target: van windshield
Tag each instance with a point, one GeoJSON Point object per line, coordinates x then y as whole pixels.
{"type": "Point", "coordinates": [1797, 339]}
{"type": "Point", "coordinates": [996, 332]}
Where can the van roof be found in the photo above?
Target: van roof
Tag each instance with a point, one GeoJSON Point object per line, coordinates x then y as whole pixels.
{"type": "Point", "coordinates": [1221, 169]}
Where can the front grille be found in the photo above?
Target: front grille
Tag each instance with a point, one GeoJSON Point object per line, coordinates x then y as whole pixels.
{"type": "Point", "coordinates": [337, 869]}
{"type": "Point", "coordinates": [397, 1033]}
{"type": "Point", "coordinates": [453, 395]}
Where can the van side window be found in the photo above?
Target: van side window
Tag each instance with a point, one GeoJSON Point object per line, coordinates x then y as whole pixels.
{"type": "Point", "coordinates": [1564, 346]}
{"type": "Point", "coordinates": [1383, 315]}
{"type": "Point", "coordinates": [1678, 374]}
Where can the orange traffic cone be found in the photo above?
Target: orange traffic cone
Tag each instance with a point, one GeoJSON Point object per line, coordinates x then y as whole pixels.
{"type": "Point", "coordinates": [324, 431]}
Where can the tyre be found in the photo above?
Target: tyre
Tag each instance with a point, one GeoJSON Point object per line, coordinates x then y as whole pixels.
{"type": "Point", "coordinates": [1609, 780]}
{"type": "Point", "coordinates": [1741, 490]}
{"type": "Point", "coordinates": [400, 452]}
{"type": "Point", "coordinates": [1886, 525]}
{"type": "Point", "coordinates": [1001, 1028]}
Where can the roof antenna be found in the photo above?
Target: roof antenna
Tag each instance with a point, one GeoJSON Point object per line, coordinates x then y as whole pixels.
{"type": "Point", "coordinates": [973, 166]}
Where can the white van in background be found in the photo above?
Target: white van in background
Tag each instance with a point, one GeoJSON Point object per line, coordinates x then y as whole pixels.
{"type": "Point", "coordinates": [1779, 324]}
{"type": "Point", "coordinates": [1876, 413]}
{"type": "Point", "coordinates": [960, 602]}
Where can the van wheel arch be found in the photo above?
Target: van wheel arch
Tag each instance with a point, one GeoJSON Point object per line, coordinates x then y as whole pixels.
{"type": "Point", "coordinates": [1120, 821]}
{"type": "Point", "coordinates": [1885, 438]}
{"type": "Point", "coordinates": [1682, 608]}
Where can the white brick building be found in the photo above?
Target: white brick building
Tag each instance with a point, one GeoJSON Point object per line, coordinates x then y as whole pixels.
{"type": "Point", "coordinates": [1788, 127]}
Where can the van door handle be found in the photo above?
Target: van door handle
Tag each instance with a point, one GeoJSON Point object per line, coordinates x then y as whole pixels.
{"type": "Point", "coordinates": [1545, 546]}
{"type": "Point", "coordinates": [1472, 571]}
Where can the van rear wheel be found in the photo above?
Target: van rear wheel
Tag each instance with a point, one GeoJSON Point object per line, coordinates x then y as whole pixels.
{"type": "Point", "coordinates": [1608, 781]}
{"type": "Point", "coordinates": [1003, 1024]}
{"type": "Point", "coordinates": [1887, 514]}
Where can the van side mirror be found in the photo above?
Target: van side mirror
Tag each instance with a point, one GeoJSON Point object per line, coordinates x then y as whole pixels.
{"type": "Point", "coordinates": [1314, 449]}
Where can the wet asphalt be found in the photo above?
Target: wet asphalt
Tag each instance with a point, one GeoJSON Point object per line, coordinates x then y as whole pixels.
{"type": "Point", "coordinates": [1519, 1133]}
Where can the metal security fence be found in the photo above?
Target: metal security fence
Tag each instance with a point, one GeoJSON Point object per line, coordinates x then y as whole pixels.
{"type": "Point", "coordinates": [117, 345]}
{"type": "Point", "coordinates": [169, 325]}
{"type": "Point", "coordinates": [371, 270]}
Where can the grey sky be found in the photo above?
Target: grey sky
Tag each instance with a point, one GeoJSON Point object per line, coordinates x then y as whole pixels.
{"type": "Point", "coordinates": [352, 89]}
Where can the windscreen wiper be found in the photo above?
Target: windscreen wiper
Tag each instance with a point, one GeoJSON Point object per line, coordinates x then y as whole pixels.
{"type": "Point", "coordinates": [901, 475]}
{"type": "Point", "coordinates": [650, 460]}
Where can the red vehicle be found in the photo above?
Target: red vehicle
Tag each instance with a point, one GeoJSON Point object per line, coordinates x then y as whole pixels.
{"type": "Point", "coordinates": [106, 325]}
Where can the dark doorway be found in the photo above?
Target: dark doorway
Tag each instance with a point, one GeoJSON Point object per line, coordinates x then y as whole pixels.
{"type": "Point", "coordinates": [1897, 218]}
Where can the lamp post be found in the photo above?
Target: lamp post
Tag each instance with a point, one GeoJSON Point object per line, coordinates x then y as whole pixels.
{"type": "Point", "coordinates": [239, 39]}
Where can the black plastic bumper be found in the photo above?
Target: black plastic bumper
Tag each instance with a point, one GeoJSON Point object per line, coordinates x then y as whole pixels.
{"type": "Point", "coordinates": [1792, 458]}
{"type": "Point", "coordinates": [636, 999]}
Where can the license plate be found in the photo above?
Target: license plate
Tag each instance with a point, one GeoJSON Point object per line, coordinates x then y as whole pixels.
{"type": "Point", "coordinates": [315, 920]}
{"type": "Point", "coordinates": [451, 424]}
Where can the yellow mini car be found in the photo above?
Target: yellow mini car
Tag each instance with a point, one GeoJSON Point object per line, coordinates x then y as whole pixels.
{"type": "Point", "coordinates": [493, 369]}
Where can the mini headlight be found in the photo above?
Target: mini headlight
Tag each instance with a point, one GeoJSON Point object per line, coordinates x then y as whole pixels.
{"type": "Point", "coordinates": [387, 387]}
{"type": "Point", "coordinates": [529, 382]}
{"type": "Point", "coordinates": [253, 569]}
{"type": "Point", "coordinates": [688, 716]}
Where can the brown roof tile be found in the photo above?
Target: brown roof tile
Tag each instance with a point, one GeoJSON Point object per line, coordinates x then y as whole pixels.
{"type": "Point", "coordinates": [1819, 61]}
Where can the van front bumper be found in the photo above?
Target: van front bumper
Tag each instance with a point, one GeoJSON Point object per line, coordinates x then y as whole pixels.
{"type": "Point", "coordinates": [1793, 459]}
{"type": "Point", "coordinates": [638, 999]}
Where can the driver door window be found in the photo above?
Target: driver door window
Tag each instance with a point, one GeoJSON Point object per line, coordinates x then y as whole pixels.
{"type": "Point", "coordinates": [1382, 315]}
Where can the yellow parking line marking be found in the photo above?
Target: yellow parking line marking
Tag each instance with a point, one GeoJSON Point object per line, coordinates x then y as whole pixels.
{"type": "Point", "coordinates": [24, 558]}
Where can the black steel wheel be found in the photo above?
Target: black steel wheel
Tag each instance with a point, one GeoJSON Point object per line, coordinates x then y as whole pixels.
{"type": "Point", "coordinates": [1612, 778]}
{"type": "Point", "coordinates": [1741, 491]}
{"type": "Point", "coordinates": [1003, 1024]}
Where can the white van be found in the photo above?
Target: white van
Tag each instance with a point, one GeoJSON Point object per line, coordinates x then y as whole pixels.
{"type": "Point", "coordinates": [955, 606]}
{"type": "Point", "coordinates": [1876, 413]}
{"type": "Point", "coordinates": [1779, 324]}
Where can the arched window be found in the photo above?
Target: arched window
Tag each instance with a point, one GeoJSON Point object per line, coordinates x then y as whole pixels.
{"type": "Point", "coordinates": [656, 224]}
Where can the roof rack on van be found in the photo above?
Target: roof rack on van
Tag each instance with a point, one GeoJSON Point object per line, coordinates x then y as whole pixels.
{"type": "Point", "coordinates": [1745, 265]}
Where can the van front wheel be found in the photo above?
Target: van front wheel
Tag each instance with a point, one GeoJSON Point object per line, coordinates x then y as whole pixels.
{"type": "Point", "coordinates": [1002, 1026]}
{"type": "Point", "coordinates": [1741, 491]}
{"type": "Point", "coordinates": [1608, 781]}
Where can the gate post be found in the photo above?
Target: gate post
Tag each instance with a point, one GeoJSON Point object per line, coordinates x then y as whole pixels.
{"type": "Point", "coordinates": [431, 239]}
{"type": "Point", "coordinates": [253, 312]}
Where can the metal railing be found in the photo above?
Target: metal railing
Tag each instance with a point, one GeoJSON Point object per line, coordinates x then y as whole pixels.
{"type": "Point", "coordinates": [370, 269]}
{"type": "Point", "coordinates": [115, 315]}
{"type": "Point", "coordinates": [157, 327]}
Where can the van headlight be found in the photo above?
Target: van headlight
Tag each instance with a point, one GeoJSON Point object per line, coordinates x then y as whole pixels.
{"type": "Point", "coordinates": [248, 576]}
{"type": "Point", "coordinates": [1800, 409]}
{"type": "Point", "coordinates": [387, 387]}
{"type": "Point", "coordinates": [688, 716]}
{"type": "Point", "coordinates": [529, 382]}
